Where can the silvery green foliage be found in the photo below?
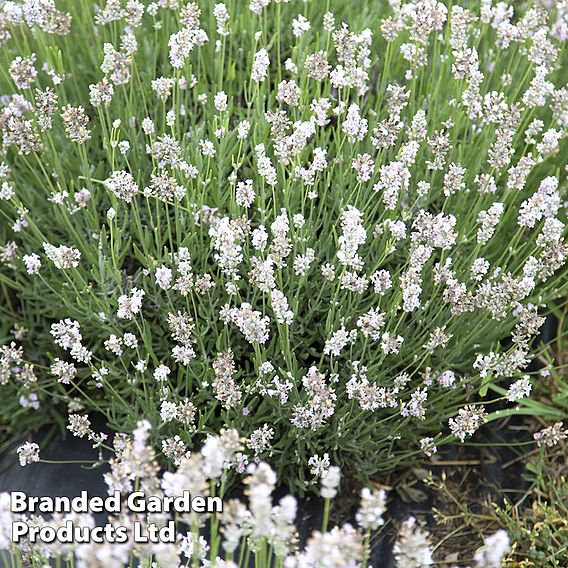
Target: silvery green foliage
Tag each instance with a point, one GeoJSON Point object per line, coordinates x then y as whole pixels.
{"type": "Point", "coordinates": [319, 228]}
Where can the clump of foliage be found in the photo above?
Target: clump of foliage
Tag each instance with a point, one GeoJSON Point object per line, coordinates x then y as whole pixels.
{"type": "Point", "coordinates": [333, 231]}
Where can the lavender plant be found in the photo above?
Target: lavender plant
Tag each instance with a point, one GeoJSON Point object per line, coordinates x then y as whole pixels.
{"type": "Point", "coordinates": [333, 230]}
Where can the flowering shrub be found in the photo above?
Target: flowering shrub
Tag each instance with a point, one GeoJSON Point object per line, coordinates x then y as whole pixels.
{"type": "Point", "coordinates": [320, 228]}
